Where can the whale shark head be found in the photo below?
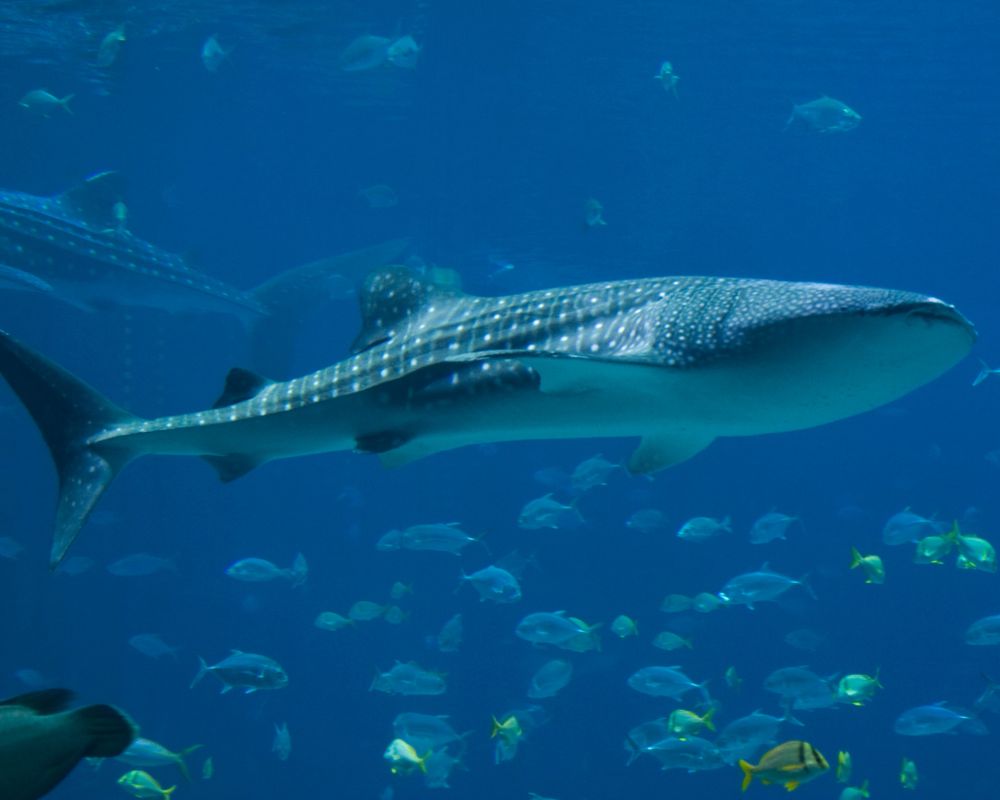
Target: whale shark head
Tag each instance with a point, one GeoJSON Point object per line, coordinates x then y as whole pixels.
{"type": "Point", "coordinates": [793, 355]}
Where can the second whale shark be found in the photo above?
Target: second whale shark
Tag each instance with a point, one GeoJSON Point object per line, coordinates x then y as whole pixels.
{"type": "Point", "coordinates": [677, 361]}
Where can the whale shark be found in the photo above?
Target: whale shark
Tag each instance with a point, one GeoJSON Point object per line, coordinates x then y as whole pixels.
{"type": "Point", "coordinates": [75, 247]}
{"type": "Point", "coordinates": [677, 362]}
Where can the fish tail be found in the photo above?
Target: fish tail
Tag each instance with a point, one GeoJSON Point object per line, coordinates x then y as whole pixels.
{"type": "Point", "coordinates": [984, 372]}
{"type": "Point", "coordinates": [747, 768]}
{"type": "Point", "coordinates": [68, 413]}
{"type": "Point", "coordinates": [855, 558]}
{"type": "Point", "coordinates": [202, 671]}
{"type": "Point", "coordinates": [299, 571]}
{"type": "Point", "coordinates": [296, 294]}
{"type": "Point", "coordinates": [64, 102]}
{"type": "Point", "coordinates": [706, 718]}
{"type": "Point", "coordinates": [180, 760]}
{"type": "Point", "coordinates": [168, 792]}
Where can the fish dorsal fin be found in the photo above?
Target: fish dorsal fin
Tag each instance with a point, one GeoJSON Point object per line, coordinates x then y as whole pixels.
{"type": "Point", "coordinates": [46, 701]}
{"type": "Point", "coordinates": [241, 384]}
{"type": "Point", "coordinates": [388, 296]}
{"type": "Point", "coordinates": [93, 200]}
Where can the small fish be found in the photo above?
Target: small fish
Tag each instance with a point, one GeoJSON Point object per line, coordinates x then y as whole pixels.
{"type": "Point", "coordinates": [682, 722]}
{"type": "Point", "coordinates": [379, 196]}
{"type": "Point", "coordinates": [591, 473]}
{"type": "Point", "coordinates": [856, 689]}
{"type": "Point", "coordinates": [647, 520]}
{"type": "Point", "coordinates": [805, 639]}
{"type": "Point", "coordinates": [855, 792]}
{"type": "Point", "coordinates": [403, 757]}
{"type": "Point", "coordinates": [551, 628]}
{"type": "Point", "coordinates": [400, 590]}
{"type": "Point", "coordinates": [789, 764]}
{"type": "Point", "coordinates": [550, 679]}
{"type": "Point", "coordinates": [449, 638]}
{"type": "Point", "coordinates": [152, 646]}
{"type": "Point", "coordinates": [31, 678]}
{"type": "Point", "coordinates": [974, 552]}
{"type": "Point", "coordinates": [705, 603]}
{"type": "Point", "coordinates": [143, 785]}
{"type": "Point", "coordinates": [770, 526]}
{"type": "Point", "coordinates": [668, 640]}
{"type": "Point", "coordinates": [823, 115]}
{"type": "Point", "coordinates": [938, 718]}
{"type": "Point", "coordinates": [733, 679]}
{"type": "Point", "coordinates": [593, 214]}
{"type": "Point", "coordinates": [248, 671]}
{"type": "Point", "coordinates": [690, 753]}
{"type": "Point", "coordinates": [140, 565]}
{"type": "Point", "coordinates": [403, 53]}
{"type": "Point", "coordinates": [508, 728]}
{"type": "Point", "coordinates": [10, 548]}
{"type": "Point", "coordinates": [282, 744]}
{"type": "Point", "coordinates": [668, 78]}
{"type": "Point", "coordinates": [985, 370]}
{"type": "Point", "coordinates": [365, 53]}
{"type": "Point", "coordinates": [844, 767]}
{"type": "Point", "coordinates": [213, 54]}
{"type": "Point", "coordinates": [207, 769]}
{"type": "Point", "coordinates": [758, 587]}
{"type": "Point", "coordinates": [494, 583]}
{"type": "Point", "coordinates": [259, 570]}
{"type": "Point", "coordinates": [545, 512]}
{"type": "Point", "coordinates": [701, 529]}
{"type": "Point", "coordinates": [802, 687]}
{"type": "Point", "coordinates": [985, 631]}
{"type": "Point", "coordinates": [394, 615]}
{"type": "Point", "coordinates": [75, 565]}
{"type": "Point", "coordinates": [675, 603]}
{"type": "Point", "coordinates": [147, 753]}
{"type": "Point", "coordinates": [871, 566]}
{"type": "Point", "coordinates": [425, 731]}
{"type": "Point", "coordinates": [41, 742]}
{"type": "Point", "coordinates": [331, 621]}
{"type": "Point", "coordinates": [408, 679]}
{"type": "Point", "coordinates": [42, 102]}
{"type": "Point", "coordinates": [365, 611]}
{"type": "Point", "coordinates": [107, 51]}
{"type": "Point", "coordinates": [665, 682]}
{"type": "Point", "coordinates": [906, 526]}
{"type": "Point", "coordinates": [440, 537]}
{"type": "Point", "coordinates": [908, 774]}
{"type": "Point", "coordinates": [933, 549]}
{"type": "Point", "coordinates": [624, 626]}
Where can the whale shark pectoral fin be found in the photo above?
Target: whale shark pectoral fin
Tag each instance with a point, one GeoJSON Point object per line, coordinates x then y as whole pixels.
{"type": "Point", "coordinates": [657, 451]}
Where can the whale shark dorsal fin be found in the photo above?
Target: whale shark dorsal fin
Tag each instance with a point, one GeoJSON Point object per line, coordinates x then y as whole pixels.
{"type": "Point", "coordinates": [657, 451]}
{"type": "Point", "coordinates": [93, 200]}
{"type": "Point", "coordinates": [241, 384]}
{"type": "Point", "coordinates": [390, 295]}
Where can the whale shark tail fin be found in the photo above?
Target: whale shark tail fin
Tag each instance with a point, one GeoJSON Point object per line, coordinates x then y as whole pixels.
{"type": "Point", "coordinates": [68, 414]}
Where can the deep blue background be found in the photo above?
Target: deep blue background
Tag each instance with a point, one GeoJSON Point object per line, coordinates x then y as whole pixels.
{"type": "Point", "coordinates": [514, 117]}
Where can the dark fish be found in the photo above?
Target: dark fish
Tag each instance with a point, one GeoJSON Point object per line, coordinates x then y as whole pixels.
{"type": "Point", "coordinates": [676, 361]}
{"type": "Point", "coordinates": [72, 247]}
{"type": "Point", "coordinates": [41, 742]}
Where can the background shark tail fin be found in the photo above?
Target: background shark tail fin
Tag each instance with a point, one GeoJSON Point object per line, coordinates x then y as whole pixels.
{"type": "Point", "coordinates": [297, 293]}
{"type": "Point", "coordinates": [67, 412]}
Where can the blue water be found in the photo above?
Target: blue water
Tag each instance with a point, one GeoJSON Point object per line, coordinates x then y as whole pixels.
{"type": "Point", "coordinates": [512, 119]}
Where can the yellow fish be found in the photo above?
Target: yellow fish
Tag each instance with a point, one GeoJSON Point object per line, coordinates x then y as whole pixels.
{"type": "Point", "coordinates": [789, 764]}
{"type": "Point", "coordinates": [908, 774]}
{"type": "Point", "coordinates": [871, 566]}
{"type": "Point", "coordinates": [402, 754]}
{"type": "Point", "coordinates": [683, 723]}
{"type": "Point", "coordinates": [509, 729]}
{"type": "Point", "coordinates": [141, 784]}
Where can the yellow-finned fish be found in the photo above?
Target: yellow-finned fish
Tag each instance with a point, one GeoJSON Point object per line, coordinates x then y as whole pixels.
{"type": "Point", "coordinates": [789, 764]}
{"type": "Point", "coordinates": [509, 729]}
{"type": "Point", "coordinates": [871, 566]}
{"type": "Point", "coordinates": [844, 766]}
{"type": "Point", "coordinates": [403, 755]}
{"type": "Point", "coordinates": [908, 774]}
{"type": "Point", "coordinates": [141, 784]}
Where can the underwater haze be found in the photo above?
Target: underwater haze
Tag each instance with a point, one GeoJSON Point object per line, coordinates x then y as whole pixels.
{"type": "Point", "coordinates": [503, 148]}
